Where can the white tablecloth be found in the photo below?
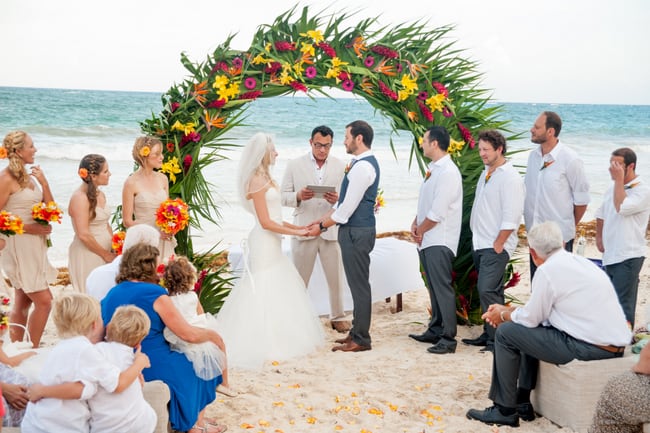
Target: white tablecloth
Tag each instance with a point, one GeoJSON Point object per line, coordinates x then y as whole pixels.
{"type": "Point", "coordinates": [394, 268]}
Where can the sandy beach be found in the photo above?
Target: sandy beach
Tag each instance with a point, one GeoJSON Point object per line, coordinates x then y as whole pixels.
{"type": "Point", "coordinates": [396, 387]}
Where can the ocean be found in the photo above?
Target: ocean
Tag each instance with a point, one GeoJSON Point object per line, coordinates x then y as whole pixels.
{"type": "Point", "coordinates": [68, 124]}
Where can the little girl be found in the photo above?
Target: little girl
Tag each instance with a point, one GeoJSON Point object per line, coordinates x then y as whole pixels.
{"type": "Point", "coordinates": [208, 359]}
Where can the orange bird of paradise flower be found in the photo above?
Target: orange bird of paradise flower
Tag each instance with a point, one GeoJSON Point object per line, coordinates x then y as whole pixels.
{"type": "Point", "coordinates": [358, 46]}
{"type": "Point", "coordinates": [199, 91]}
{"type": "Point", "coordinates": [217, 122]}
{"type": "Point", "coordinates": [385, 69]}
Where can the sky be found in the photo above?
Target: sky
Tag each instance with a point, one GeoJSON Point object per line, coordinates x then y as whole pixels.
{"type": "Point", "coordinates": [554, 51]}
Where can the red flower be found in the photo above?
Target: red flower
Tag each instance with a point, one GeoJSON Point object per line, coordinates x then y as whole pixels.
{"type": "Point", "coordinates": [310, 72]}
{"type": "Point", "coordinates": [327, 49]}
{"type": "Point", "coordinates": [344, 76]}
{"type": "Point", "coordinates": [347, 85]}
{"type": "Point", "coordinates": [199, 282]}
{"type": "Point", "coordinates": [467, 136]}
{"type": "Point", "coordinates": [387, 91]}
{"type": "Point", "coordinates": [514, 280]}
{"type": "Point", "coordinates": [220, 66]}
{"type": "Point", "coordinates": [192, 136]}
{"type": "Point", "coordinates": [426, 112]}
{"type": "Point", "coordinates": [175, 106]}
{"type": "Point", "coordinates": [170, 147]}
{"type": "Point", "coordinates": [440, 88]}
{"type": "Point", "coordinates": [272, 68]}
{"type": "Point", "coordinates": [298, 86]}
{"type": "Point", "coordinates": [160, 269]}
{"type": "Point", "coordinates": [285, 46]}
{"type": "Point", "coordinates": [446, 112]}
{"type": "Point", "coordinates": [217, 104]}
{"type": "Point", "coordinates": [251, 95]}
{"type": "Point", "coordinates": [187, 163]}
{"type": "Point", "coordinates": [384, 51]}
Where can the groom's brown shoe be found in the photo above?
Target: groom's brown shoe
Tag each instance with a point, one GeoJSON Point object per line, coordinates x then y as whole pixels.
{"type": "Point", "coordinates": [350, 346]}
{"type": "Point", "coordinates": [345, 340]}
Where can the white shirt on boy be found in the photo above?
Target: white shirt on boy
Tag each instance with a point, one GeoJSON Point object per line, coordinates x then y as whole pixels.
{"type": "Point", "coordinates": [124, 412]}
{"type": "Point", "coordinates": [71, 360]}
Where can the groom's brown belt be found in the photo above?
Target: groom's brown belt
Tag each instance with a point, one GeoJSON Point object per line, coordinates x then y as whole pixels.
{"type": "Point", "coordinates": [611, 349]}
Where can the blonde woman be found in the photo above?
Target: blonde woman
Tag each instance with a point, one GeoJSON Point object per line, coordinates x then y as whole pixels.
{"type": "Point", "coordinates": [268, 314]}
{"type": "Point", "coordinates": [145, 189]}
{"type": "Point", "coordinates": [91, 246]}
{"type": "Point", "coordinates": [24, 258]}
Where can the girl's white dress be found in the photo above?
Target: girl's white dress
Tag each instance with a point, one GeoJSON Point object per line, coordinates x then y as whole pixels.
{"type": "Point", "coordinates": [268, 315]}
{"type": "Point", "coordinates": [208, 360]}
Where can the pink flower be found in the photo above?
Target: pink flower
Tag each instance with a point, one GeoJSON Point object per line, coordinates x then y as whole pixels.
{"type": "Point", "coordinates": [425, 111]}
{"type": "Point", "coordinates": [446, 112]}
{"type": "Point", "coordinates": [440, 88]}
{"type": "Point", "coordinates": [217, 104]}
{"type": "Point", "coordinates": [387, 91]}
{"type": "Point", "coordinates": [399, 68]}
{"type": "Point", "coordinates": [297, 85]}
{"type": "Point", "coordinates": [384, 51]}
{"type": "Point", "coordinates": [251, 95]}
{"type": "Point", "coordinates": [327, 49]}
{"type": "Point", "coordinates": [422, 96]}
{"type": "Point", "coordinates": [467, 136]}
{"type": "Point", "coordinates": [187, 163]}
{"type": "Point", "coordinates": [344, 75]}
{"type": "Point", "coordinates": [237, 62]}
{"type": "Point", "coordinates": [174, 106]}
{"type": "Point", "coordinates": [310, 72]}
{"type": "Point", "coordinates": [250, 83]}
{"type": "Point", "coordinates": [285, 46]}
{"type": "Point", "coordinates": [347, 85]}
{"type": "Point", "coordinates": [192, 136]}
{"type": "Point", "coordinates": [369, 61]}
{"type": "Point", "coordinates": [220, 66]}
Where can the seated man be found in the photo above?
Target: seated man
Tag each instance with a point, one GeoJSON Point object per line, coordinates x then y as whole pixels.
{"type": "Point", "coordinates": [573, 313]}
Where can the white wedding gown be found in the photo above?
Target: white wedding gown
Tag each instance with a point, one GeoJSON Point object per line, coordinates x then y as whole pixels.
{"type": "Point", "coordinates": [268, 315]}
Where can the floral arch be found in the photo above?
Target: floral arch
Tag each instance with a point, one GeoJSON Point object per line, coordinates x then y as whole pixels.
{"type": "Point", "coordinates": [412, 74]}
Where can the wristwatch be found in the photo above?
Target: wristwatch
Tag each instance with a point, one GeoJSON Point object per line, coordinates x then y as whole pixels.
{"type": "Point", "coordinates": [322, 227]}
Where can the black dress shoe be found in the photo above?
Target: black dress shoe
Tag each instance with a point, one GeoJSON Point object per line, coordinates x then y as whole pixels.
{"type": "Point", "coordinates": [488, 348]}
{"type": "Point", "coordinates": [480, 341]}
{"type": "Point", "coordinates": [526, 411]}
{"type": "Point", "coordinates": [492, 415]}
{"type": "Point", "coordinates": [442, 347]}
{"type": "Point", "coordinates": [426, 337]}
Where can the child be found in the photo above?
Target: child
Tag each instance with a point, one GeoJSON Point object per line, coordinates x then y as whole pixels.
{"type": "Point", "coordinates": [75, 369]}
{"type": "Point", "coordinates": [128, 411]}
{"type": "Point", "coordinates": [208, 360]}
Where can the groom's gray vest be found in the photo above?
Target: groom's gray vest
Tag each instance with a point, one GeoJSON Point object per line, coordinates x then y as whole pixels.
{"type": "Point", "coordinates": [364, 215]}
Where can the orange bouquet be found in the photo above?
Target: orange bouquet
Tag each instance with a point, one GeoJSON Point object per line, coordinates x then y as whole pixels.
{"type": "Point", "coordinates": [5, 309]}
{"type": "Point", "coordinates": [10, 224]}
{"type": "Point", "coordinates": [45, 213]}
{"type": "Point", "coordinates": [172, 216]}
{"type": "Point", "coordinates": [117, 242]}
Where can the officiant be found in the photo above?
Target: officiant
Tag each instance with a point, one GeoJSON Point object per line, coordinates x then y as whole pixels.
{"type": "Point", "coordinates": [311, 186]}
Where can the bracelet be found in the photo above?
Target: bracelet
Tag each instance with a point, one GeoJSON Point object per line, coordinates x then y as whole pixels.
{"type": "Point", "coordinates": [503, 319]}
{"type": "Point", "coordinates": [322, 228]}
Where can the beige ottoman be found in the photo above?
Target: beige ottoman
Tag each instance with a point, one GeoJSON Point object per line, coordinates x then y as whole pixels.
{"type": "Point", "coordinates": [567, 394]}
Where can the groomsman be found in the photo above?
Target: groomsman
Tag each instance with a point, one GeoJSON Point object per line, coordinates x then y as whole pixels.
{"type": "Point", "coordinates": [496, 214]}
{"type": "Point", "coordinates": [556, 185]}
{"type": "Point", "coordinates": [355, 216]}
{"type": "Point", "coordinates": [317, 167]}
{"type": "Point", "coordinates": [621, 223]}
{"type": "Point", "coordinates": [436, 229]}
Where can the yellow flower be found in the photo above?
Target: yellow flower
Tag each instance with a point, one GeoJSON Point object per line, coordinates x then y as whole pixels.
{"type": "Point", "coordinates": [220, 82]}
{"type": "Point", "coordinates": [145, 151]}
{"type": "Point", "coordinates": [402, 95]}
{"type": "Point", "coordinates": [308, 49]}
{"type": "Point", "coordinates": [333, 73]}
{"type": "Point", "coordinates": [171, 168]}
{"type": "Point", "coordinates": [455, 146]}
{"type": "Point", "coordinates": [410, 84]}
{"type": "Point", "coordinates": [285, 78]}
{"type": "Point", "coordinates": [435, 102]}
{"type": "Point", "coordinates": [185, 127]}
{"type": "Point", "coordinates": [298, 69]}
{"type": "Point", "coordinates": [336, 62]}
{"type": "Point", "coordinates": [267, 47]}
{"type": "Point", "coordinates": [315, 35]}
{"type": "Point", "coordinates": [260, 60]}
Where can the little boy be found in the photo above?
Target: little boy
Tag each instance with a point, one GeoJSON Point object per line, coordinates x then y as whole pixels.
{"type": "Point", "coordinates": [128, 411]}
{"type": "Point", "coordinates": [74, 370]}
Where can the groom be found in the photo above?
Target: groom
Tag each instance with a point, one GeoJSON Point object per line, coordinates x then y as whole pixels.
{"type": "Point", "coordinates": [354, 213]}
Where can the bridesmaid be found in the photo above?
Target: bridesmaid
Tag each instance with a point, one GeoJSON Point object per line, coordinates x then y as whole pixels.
{"type": "Point", "coordinates": [92, 242]}
{"type": "Point", "coordinates": [24, 258]}
{"type": "Point", "coordinates": [145, 189]}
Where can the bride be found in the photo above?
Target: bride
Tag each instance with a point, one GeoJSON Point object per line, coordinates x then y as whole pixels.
{"type": "Point", "coordinates": [268, 314]}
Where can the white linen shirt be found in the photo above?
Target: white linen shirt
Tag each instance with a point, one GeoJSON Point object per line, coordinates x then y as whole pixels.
{"type": "Point", "coordinates": [624, 231]}
{"type": "Point", "coordinates": [360, 177]}
{"type": "Point", "coordinates": [102, 279]}
{"type": "Point", "coordinates": [441, 200]}
{"type": "Point", "coordinates": [71, 360]}
{"type": "Point", "coordinates": [124, 412]}
{"type": "Point", "coordinates": [498, 205]}
{"type": "Point", "coordinates": [573, 295]}
{"type": "Point", "coordinates": [552, 192]}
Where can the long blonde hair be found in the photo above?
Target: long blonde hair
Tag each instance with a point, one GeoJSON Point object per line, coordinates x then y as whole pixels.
{"type": "Point", "coordinates": [255, 160]}
{"type": "Point", "coordinates": [13, 142]}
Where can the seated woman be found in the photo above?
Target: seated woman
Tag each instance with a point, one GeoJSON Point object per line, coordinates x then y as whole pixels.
{"type": "Point", "coordinates": [624, 404]}
{"type": "Point", "coordinates": [189, 394]}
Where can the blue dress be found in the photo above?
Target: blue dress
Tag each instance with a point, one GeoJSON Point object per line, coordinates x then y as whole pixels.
{"type": "Point", "coordinates": [189, 394]}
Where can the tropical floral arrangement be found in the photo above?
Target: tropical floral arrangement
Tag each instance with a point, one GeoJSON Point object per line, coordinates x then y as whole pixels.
{"type": "Point", "coordinates": [5, 309]}
{"type": "Point", "coordinates": [379, 200]}
{"type": "Point", "coordinates": [411, 73]}
{"type": "Point", "coordinates": [117, 242]}
{"type": "Point", "coordinates": [45, 213]}
{"type": "Point", "coordinates": [10, 224]}
{"type": "Point", "coordinates": [172, 216]}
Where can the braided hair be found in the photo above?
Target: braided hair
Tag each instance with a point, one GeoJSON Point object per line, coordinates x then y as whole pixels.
{"type": "Point", "coordinates": [13, 142]}
{"type": "Point", "coordinates": [89, 165]}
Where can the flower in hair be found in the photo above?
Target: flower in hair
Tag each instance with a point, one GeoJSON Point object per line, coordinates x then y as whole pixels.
{"type": "Point", "coordinates": [145, 151]}
{"type": "Point", "coordinates": [83, 173]}
{"type": "Point", "coordinates": [3, 153]}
